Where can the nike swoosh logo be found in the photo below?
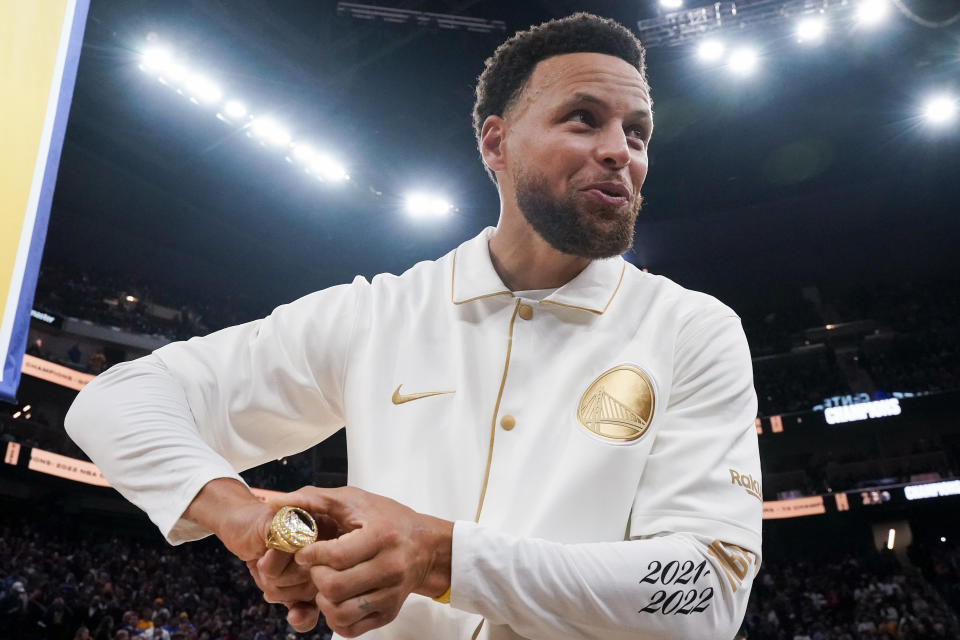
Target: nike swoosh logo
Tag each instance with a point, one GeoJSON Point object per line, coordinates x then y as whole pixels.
{"type": "Point", "coordinates": [399, 398]}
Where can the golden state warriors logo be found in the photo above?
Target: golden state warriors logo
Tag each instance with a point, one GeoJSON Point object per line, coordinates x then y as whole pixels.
{"type": "Point", "coordinates": [618, 405]}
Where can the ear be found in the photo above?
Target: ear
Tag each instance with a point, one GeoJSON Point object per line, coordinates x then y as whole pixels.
{"type": "Point", "coordinates": [492, 147]}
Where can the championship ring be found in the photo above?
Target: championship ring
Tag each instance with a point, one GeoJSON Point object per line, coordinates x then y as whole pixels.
{"type": "Point", "coordinates": [291, 530]}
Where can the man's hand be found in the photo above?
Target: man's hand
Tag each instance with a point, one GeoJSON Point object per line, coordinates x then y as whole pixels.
{"type": "Point", "coordinates": [387, 552]}
{"type": "Point", "coordinates": [241, 521]}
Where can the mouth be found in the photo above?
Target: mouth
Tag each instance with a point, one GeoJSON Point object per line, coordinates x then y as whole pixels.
{"type": "Point", "coordinates": [612, 193]}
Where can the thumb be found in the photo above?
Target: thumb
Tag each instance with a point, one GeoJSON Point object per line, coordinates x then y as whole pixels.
{"type": "Point", "coordinates": [335, 504]}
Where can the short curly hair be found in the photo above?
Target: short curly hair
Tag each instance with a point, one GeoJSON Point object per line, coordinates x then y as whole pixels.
{"type": "Point", "coordinates": [507, 71]}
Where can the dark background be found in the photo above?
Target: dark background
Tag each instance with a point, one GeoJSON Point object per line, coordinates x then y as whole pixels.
{"type": "Point", "coordinates": [817, 170]}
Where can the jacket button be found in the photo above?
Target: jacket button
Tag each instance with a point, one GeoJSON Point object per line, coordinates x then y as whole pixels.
{"type": "Point", "coordinates": [526, 311]}
{"type": "Point", "coordinates": [508, 422]}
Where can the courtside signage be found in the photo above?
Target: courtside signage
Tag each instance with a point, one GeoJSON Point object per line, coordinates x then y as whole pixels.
{"type": "Point", "coordinates": [932, 490]}
{"type": "Point", "coordinates": [862, 411]}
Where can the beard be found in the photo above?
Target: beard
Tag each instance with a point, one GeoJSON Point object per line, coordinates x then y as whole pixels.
{"type": "Point", "coordinates": [572, 225]}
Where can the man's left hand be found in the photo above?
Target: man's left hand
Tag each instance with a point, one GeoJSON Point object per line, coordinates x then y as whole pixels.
{"type": "Point", "coordinates": [388, 552]}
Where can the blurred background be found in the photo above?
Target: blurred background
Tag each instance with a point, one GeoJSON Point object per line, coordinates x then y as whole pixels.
{"type": "Point", "coordinates": [222, 159]}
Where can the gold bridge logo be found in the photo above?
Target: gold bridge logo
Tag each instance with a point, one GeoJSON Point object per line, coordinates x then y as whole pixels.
{"type": "Point", "coordinates": [748, 482]}
{"type": "Point", "coordinates": [618, 405]}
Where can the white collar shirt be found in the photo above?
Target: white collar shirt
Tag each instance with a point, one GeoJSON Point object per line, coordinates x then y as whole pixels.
{"type": "Point", "coordinates": [502, 441]}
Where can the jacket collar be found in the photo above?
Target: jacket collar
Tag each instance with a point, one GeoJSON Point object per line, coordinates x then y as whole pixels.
{"type": "Point", "coordinates": [473, 278]}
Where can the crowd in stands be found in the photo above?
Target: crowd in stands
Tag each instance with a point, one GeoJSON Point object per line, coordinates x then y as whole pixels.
{"type": "Point", "coordinates": [909, 342]}
{"type": "Point", "coordinates": [56, 582]}
{"type": "Point", "coordinates": [63, 583]}
{"type": "Point", "coordinates": [102, 298]}
{"type": "Point", "coordinates": [941, 566]}
{"type": "Point", "coordinates": [841, 596]}
{"type": "Point", "coordinates": [796, 382]}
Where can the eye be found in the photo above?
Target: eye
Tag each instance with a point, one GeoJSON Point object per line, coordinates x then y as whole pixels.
{"type": "Point", "coordinates": [637, 132]}
{"type": "Point", "coordinates": [581, 115]}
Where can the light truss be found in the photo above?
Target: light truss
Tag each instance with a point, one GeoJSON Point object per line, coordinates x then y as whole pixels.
{"type": "Point", "coordinates": [679, 27]}
{"type": "Point", "coordinates": [419, 18]}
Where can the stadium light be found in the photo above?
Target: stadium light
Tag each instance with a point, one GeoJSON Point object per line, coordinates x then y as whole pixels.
{"type": "Point", "coordinates": [322, 165]}
{"type": "Point", "coordinates": [326, 168]}
{"type": "Point", "coordinates": [203, 89]}
{"type": "Point", "coordinates": [891, 537]}
{"type": "Point", "coordinates": [155, 59]}
{"type": "Point", "coordinates": [271, 132]}
{"type": "Point", "coordinates": [671, 4]}
{"type": "Point", "coordinates": [174, 72]}
{"type": "Point", "coordinates": [871, 13]}
{"type": "Point", "coordinates": [421, 205]}
{"type": "Point", "coordinates": [27, 407]}
{"type": "Point", "coordinates": [743, 61]}
{"type": "Point", "coordinates": [304, 153]}
{"type": "Point", "coordinates": [940, 110]}
{"type": "Point", "coordinates": [710, 50]}
{"type": "Point", "coordinates": [235, 109]}
{"type": "Point", "coordinates": [17, 415]}
{"type": "Point", "coordinates": [811, 29]}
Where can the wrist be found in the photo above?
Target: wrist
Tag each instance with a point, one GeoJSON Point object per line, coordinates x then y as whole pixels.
{"type": "Point", "coordinates": [436, 582]}
{"type": "Point", "coordinates": [219, 502]}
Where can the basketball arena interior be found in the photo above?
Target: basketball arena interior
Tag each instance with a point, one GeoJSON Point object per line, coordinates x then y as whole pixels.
{"type": "Point", "coordinates": [221, 159]}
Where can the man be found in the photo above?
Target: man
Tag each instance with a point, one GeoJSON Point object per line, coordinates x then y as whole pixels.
{"type": "Point", "coordinates": [543, 441]}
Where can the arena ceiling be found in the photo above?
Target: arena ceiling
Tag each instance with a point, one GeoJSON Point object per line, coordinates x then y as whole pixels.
{"type": "Point", "coordinates": [815, 170]}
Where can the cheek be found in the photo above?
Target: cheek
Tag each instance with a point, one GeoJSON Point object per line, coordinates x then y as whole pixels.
{"type": "Point", "coordinates": [638, 170]}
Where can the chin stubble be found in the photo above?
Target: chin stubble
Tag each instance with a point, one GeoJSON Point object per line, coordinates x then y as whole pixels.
{"type": "Point", "coordinates": [567, 227]}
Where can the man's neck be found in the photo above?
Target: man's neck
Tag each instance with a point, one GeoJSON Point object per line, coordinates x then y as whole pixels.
{"type": "Point", "coordinates": [526, 262]}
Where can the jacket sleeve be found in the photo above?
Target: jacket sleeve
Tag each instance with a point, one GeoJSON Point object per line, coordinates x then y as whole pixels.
{"type": "Point", "coordinates": [669, 587]}
{"type": "Point", "coordinates": [162, 426]}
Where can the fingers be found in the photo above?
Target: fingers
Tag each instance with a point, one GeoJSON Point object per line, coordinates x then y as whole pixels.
{"type": "Point", "coordinates": [274, 563]}
{"type": "Point", "coordinates": [292, 586]}
{"type": "Point", "coordinates": [344, 552]}
{"type": "Point", "coordinates": [372, 621]}
{"type": "Point", "coordinates": [361, 614]}
{"type": "Point", "coordinates": [340, 586]}
{"type": "Point", "coordinates": [303, 616]}
{"type": "Point", "coordinates": [342, 504]}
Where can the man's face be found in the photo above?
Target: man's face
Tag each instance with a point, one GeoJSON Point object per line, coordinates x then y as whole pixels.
{"type": "Point", "coordinates": [576, 152]}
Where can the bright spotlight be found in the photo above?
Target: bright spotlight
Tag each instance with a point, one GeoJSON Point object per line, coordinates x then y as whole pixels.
{"type": "Point", "coordinates": [270, 132]}
{"type": "Point", "coordinates": [743, 61]}
{"type": "Point", "coordinates": [421, 205]}
{"type": "Point", "coordinates": [940, 110]}
{"type": "Point", "coordinates": [173, 72]}
{"type": "Point", "coordinates": [156, 59]}
{"type": "Point", "coordinates": [710, 50]}
{"type": "Point", "coordinates": [235, 109]}
{"type": "Point", "coordinates": [203, 89]}
{"type": "Point", "coordinates": [871, 13]}
{"type": "Point", "coordinates": [671, 4]}
{"type": "Point", "coordinates": [303, 153]}
{"type": "Point", "coordinates": [326, 168]}
{"type": "Point", "coordinates": [811, 29]}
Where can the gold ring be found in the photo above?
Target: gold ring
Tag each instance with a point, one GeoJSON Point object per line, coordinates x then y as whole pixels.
{"type": "Point", "coordinates": [292, 529]}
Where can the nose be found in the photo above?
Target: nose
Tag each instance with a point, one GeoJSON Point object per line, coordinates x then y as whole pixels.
{"type": "Point", "coordinates": [613, 151]}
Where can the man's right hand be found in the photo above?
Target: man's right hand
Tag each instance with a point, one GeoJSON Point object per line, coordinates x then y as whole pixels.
{"type": "Point", "coordinates": [241, 521]}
